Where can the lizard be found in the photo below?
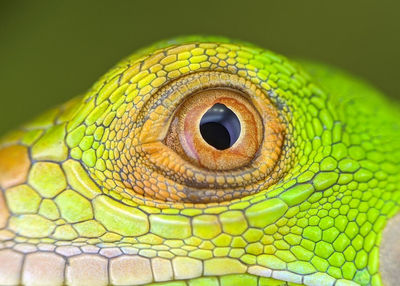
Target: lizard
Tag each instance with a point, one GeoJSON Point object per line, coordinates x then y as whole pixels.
{"type": "Point", "coordinates": [206, 161]}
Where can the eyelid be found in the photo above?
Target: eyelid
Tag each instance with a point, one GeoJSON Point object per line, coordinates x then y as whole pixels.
{"type": "Point", "coordinates": [123, 100]}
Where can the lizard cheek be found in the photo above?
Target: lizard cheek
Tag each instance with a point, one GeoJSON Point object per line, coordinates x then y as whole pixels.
{"type": "Point", "coordinates": [390, 252]}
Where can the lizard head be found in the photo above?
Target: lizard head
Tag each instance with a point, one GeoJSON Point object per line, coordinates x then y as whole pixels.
{"type": "Point", "coordinates": [205, 161]}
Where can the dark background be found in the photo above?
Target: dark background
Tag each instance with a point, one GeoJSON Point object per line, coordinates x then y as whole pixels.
{"type": "Point", "coordinates": [51, 51]}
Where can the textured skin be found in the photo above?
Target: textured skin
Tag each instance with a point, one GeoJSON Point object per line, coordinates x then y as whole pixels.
{"type": "Point", "coordinates": [67, 215]}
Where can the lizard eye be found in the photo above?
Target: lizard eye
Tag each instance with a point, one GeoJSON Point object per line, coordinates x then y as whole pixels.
{"type": "Point", "coordinates": [212, 137]}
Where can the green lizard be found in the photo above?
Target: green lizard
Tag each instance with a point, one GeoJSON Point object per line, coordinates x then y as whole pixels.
{"type": "Point", "coordinates": [140, 181]}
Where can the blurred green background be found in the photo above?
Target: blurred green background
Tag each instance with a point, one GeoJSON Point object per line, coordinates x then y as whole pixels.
{"type": "Point", "coordinates": [51, 51]}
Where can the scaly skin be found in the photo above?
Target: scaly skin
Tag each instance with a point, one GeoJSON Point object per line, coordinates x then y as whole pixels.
{"type": "Point", "coordinates": [70, 212]}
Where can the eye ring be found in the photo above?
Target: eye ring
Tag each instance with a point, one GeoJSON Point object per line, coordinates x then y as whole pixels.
{"type": "Point", "coordinates": [192, 145]}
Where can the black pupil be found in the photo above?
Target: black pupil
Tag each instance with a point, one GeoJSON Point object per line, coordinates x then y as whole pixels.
{"type": "Point", "coordinates": [220, 127]}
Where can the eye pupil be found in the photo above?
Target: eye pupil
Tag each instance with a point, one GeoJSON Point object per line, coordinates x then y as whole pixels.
{"type": "Point", "coordinates": [220, 127]}
{"type": "Point", "coordinates": [216, 135]}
